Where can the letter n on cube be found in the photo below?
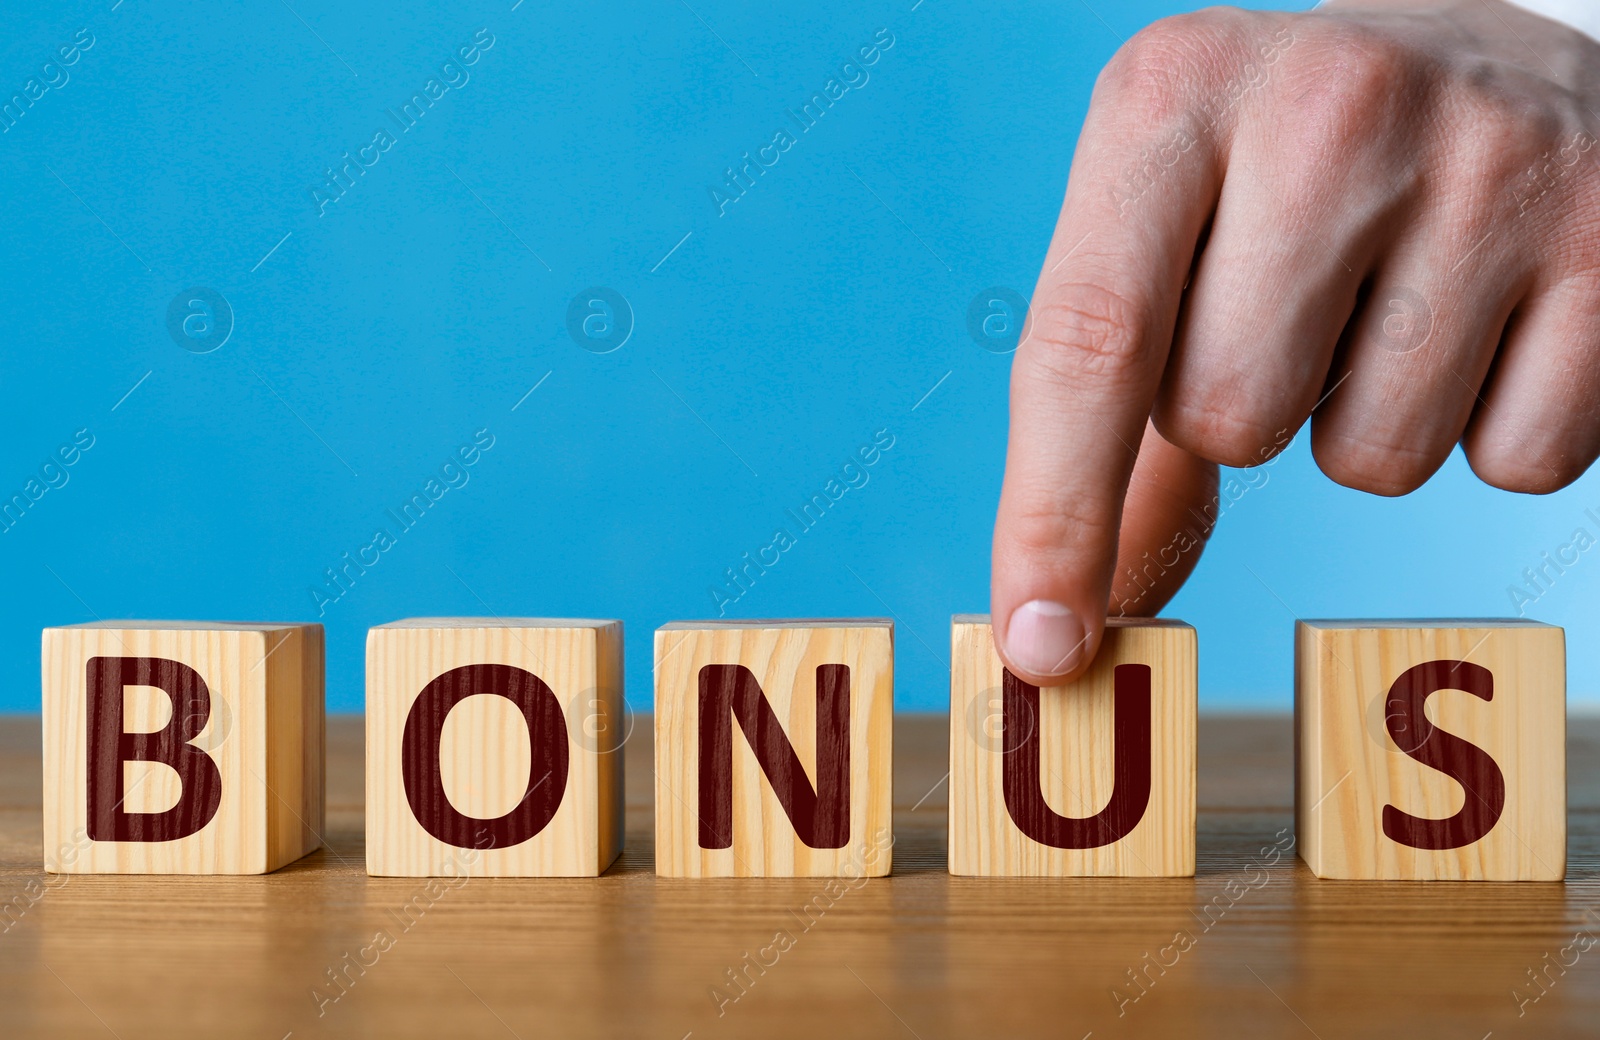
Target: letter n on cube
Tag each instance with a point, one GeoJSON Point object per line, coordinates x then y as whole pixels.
{"type": "Point", "coordinates": [773, 748]}
{"type": "Point", "coordinates": [181, 747]}
{"type": "Point", "coordinates": [1431, 750]}
{"type": "Point", "coordinates": [494, 747]}
{"type": "Point", "coordinates": [1095, 777]}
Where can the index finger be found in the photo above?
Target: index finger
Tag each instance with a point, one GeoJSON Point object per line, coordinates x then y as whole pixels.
{"type": "Point", "coordinates": [1141, 190]}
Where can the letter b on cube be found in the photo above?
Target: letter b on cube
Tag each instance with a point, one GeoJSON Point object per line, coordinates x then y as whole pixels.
{"type": "Point", "coordinates": [494, 747]}
{"type": "Point", "coordinates": [175, 747]}
{"type": "Point", "coordinates": [1094, 778]}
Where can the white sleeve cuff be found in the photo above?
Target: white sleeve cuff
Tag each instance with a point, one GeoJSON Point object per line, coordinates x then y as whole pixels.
{"type": "Point", "coordinates": [1583, 15]}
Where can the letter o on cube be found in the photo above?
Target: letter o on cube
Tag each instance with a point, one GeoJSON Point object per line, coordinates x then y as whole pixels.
{"type": "Point", "coordinates": [494, 747]}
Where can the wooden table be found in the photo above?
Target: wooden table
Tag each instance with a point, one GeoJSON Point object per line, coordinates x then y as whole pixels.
{"type": "Point", "coordinates": [1271, 950]}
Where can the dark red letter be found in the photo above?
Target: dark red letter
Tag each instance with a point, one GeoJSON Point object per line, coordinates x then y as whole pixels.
{"type": "Point", "coordinates": [821, 815]}
{"type": "Point", "coordinates": [1131, 751]}
{"type": "Point", "coordinates": [547, 772]}
{"type": "Point", "coordinates": [1462, 761]}
{"type": "Point", "coordinates": [109, 747]}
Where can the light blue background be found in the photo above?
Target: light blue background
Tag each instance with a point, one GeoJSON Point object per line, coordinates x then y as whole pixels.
{"type": "Point", "coordinates": [769, 345]}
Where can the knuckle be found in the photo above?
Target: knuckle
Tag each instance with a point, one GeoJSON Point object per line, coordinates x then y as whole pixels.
{"type": "Point", "coordinates": [1040, 521]}
{"type": "Point", "coordinates": [1216, 423]}
{"type": "Point", "coordinates": [1361, 64]}
{"type": "Point", "coordinates": [1539, 437]}
{"type": "Point", "coordinates": [1350, 82]}
{"type": "Point", "coordinates": [1159, 63]}
{"type": "Point", "coordinates": [1371, 462]}
{"type": "Point", "coordinates": [1499, 142]}
{"type": "Point", "coordinates": [1152, 57]}
{"type": "Point", "coordinates": [1520, 468]}
{"type": "Point", "coordinates": [1089, 333]}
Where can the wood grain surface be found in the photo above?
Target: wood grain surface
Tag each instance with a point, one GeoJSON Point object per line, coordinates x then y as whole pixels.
{"type": "Point", "coordinates": [263, 727]}
{"type": "Point", "coordinates": [783, 657]}
{"type": "Point", "coordinates": [919, 954]}
{"type": "Point", "coordinates": [1076, 755]}
{"type": "Point", "coordinates": [1360, 744]}
{"type": "Point", "coordinates": [485, 758]}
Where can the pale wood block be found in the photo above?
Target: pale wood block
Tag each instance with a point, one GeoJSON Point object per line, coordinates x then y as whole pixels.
{"type": "Point", "coordinates": [1093, 778]}
{"type": "Point", "coordinates": [182, 747]}
{"type": "Point", "coordinates": [494, 747]}
{"type": "Point", "coordinates": [772, 744]}
{"type": "Point", "coordinates": [1431, 750]}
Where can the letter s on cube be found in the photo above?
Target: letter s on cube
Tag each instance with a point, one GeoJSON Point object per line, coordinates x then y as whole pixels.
{"type": "Point", "coordinates": [1431, 750]}
{"type": "Point", "coordinates": [181, 747]}
{"type": "Point", "coordinates": [494, 747]}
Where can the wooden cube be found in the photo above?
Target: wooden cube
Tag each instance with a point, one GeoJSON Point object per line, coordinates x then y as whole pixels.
{"type": "Point", "coordinates": [494, 747]}
{"type": "Point", "coordinates": [1431, 750]}
{"type": "Point", "coordinates": [181, 747]}
{"type": "Point", "coordinates": [773, 748]}
{"type": "Point", "coordinates": [1096, 777]}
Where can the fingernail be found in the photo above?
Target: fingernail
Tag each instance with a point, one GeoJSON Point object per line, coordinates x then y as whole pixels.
{"type": "Point", "coordinates": [1044, 638]}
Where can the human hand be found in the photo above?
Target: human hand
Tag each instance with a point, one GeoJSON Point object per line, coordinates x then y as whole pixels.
{"type": "Point", "coordinates": [1383, 213]}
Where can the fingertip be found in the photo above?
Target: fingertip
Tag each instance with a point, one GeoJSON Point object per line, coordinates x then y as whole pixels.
{"type": "Point", "coordinates": [1047, 643]}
